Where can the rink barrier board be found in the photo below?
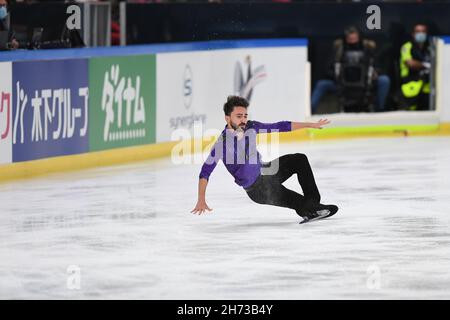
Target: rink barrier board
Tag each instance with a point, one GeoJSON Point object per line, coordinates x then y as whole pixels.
{"type": "Point", "coordinates": [57, 159]}
{"type": "Point", "coordinates": [377, 131]}
{"type": "Point", "coordinates": [29, 169]}
{"type": "Point", "coordinates": [36, 168]}
{"type": "Point", "coordinates": [136, 75]}
{"type": "Point", "coordinates": [194, 85]}
{"type": "Point", "coordinates": [58, 102]}
{"type": "Point", "coordinates": [39, 167]}
{"type": "Point", "coordinates": [133, 50]}
{"type": "Point", "coordinates": [56, 57]}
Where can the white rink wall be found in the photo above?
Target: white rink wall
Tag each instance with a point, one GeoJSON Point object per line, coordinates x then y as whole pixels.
{"type": "Point", "coordinates": [5, 112]}
{"type": "Point", "coordinates": [443, 80]}
{"type": "Point", "coordinates": [191, 83]}
{"type": "Point", "coordinates": [193, 86]}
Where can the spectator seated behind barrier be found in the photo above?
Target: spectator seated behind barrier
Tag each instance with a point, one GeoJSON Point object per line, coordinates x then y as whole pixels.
{"type": "Point", "coordinates": [353, 76]}
{"type": "Point", "coordinates": [55, 36]}
{"type": "Point", "coordinates": [415, 64]}
{"type": "Point", "coordinates": [5, 26]}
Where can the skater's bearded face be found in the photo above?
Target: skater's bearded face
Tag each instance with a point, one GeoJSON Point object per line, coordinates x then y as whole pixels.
{"type": "Point", "coordinates": [237, 119]}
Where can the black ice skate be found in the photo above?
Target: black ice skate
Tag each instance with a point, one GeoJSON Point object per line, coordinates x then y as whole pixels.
{"type": "Point", "coordinates": [321, 211]}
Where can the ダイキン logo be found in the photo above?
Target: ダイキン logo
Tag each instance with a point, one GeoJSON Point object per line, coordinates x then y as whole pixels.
{"type": "Point", "coordinates": [123, 105]}
{"type": "Point", "coordinates": [187, 87]}
{"type": "Point", "coordinates": [243, 86]}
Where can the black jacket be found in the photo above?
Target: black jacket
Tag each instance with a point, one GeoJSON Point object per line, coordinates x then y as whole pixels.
{"type": "Point", "coordinates": [340, 47]}
{"type": "Point", "coordinates": [6, 26]}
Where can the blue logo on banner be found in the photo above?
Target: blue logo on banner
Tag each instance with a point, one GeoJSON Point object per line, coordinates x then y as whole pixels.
{"type": "Point", "coordinates": [50, 109]}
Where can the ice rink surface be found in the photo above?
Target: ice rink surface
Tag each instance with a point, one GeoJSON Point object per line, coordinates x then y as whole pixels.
{"type": "Point", "coordinates": [125, 232]}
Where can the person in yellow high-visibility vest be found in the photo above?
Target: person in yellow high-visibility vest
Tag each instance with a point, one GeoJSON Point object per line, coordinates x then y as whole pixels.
{"type": "Point", "coordinates": [415, 69]}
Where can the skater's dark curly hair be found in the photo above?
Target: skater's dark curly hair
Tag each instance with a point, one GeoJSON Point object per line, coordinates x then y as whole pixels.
{"type": "Point", "coordinates": [234, 101]}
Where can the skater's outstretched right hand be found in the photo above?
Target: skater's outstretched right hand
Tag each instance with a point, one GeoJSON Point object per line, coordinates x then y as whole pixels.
{"type": "Point", "coordinates": [200, 207]}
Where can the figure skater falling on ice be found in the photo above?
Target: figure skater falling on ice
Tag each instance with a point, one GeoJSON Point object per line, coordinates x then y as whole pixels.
{"type": "Point", "coordinates": [263, 182]}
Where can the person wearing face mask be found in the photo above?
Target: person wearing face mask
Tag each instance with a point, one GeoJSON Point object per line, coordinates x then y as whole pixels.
{"type": "Point", "coordinates": [415, 69]}
{"type": "Point", "coordinates": [5, 24]}
{"type": "Point", "coordinates": [347, 49]}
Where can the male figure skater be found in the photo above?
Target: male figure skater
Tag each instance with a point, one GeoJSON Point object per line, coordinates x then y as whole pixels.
{"type": "Point", "coordinates": [236, 147]}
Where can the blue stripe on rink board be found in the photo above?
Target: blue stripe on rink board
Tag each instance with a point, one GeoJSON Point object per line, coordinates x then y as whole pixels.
{"type": "Point", "coordinates": [80, 53]}
{"type": "Point", "coordinates": [446, 39]}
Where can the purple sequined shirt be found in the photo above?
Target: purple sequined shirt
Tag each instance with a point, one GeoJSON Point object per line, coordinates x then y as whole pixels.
{"type": "Point", "coordinates": [240, 157]}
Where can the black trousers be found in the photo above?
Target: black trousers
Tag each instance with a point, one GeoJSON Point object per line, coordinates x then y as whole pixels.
{"type": "Point", "coordinates": [268, 188]}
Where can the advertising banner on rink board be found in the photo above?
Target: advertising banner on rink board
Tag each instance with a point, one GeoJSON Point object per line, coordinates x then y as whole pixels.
{"type": "Point", "coordinates": [122, 99]}
{"type": "Point", "coordinates": [50, 108]}
{"type": "Point", "coordinates": [193, 86]}
{"type": "Point", "coordinates": [5, 112]}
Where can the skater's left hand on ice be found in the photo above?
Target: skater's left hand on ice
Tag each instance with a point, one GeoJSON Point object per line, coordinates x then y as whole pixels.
{"type": "Point", "coordinates": [201, 207]}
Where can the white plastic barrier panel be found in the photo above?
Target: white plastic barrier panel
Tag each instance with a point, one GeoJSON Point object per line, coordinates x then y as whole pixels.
{"type": "Point", "coordinates": [193, 86]}
{"type": "Point", "coordinates": [444, 82]}
{"type": "Point", "coordinates": [6, 112]}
